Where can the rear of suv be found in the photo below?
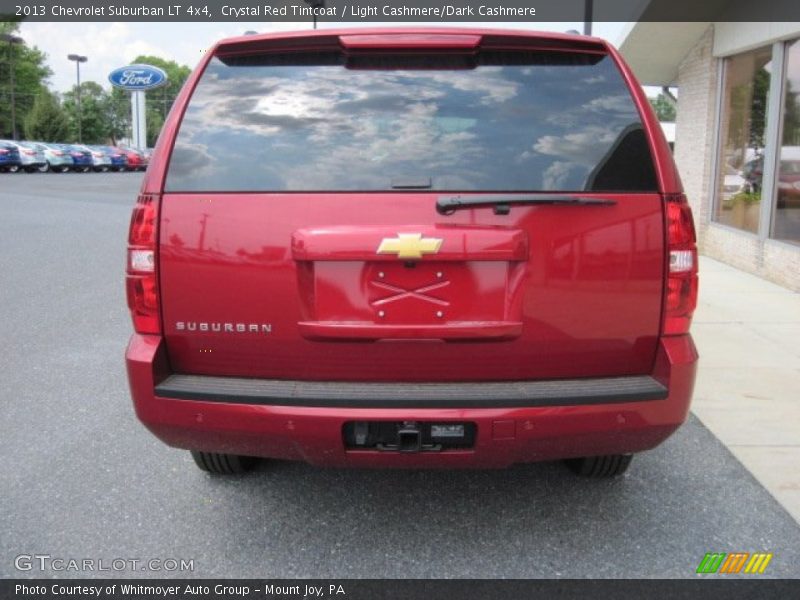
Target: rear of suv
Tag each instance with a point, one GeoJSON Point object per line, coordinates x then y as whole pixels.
{"type": "Point", "coordinates": [412, 248]}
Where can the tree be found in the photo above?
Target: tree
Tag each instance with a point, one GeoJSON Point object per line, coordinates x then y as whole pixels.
{"type": "Point", "coordinates": [665, 109]}
{"type": "Point", "coordinates": [94, 115]}
{"type": "Point", "coordinates": [154, 124]}
{"type": "Point", "coordinates": [118, 112]}
{"type": "Point", "coordinates": [791, 115]}
{"type": "Point", "coordinates": [758, 108]}
{"type": "Point", "coordinates": [162, 98]}
{"type": "Point", "coordinates": [30, 74]}
{"type": "Point", "coordinates": [47, 121]}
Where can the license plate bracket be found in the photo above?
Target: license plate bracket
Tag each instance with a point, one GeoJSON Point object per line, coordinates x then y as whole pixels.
{"type": "Point", "coordinates": [408, 436]}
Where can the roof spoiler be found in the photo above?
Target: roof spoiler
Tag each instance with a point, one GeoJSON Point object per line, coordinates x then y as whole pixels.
{"type": "Point", "coordinates": [404, 41]}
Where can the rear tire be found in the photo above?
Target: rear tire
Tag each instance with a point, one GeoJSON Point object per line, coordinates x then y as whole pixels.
{"type": "Point", "coordinates": [598, 467]}
{"type": "Point", "coordinates": [223, 464]}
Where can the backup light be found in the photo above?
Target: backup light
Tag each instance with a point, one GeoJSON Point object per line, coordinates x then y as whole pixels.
{"type": "Point", "coordinates": [142, 260]}
{"type": "Point", "coordinates": [681, 293]}
{"type": "Point", "coordinates": [681, 261]}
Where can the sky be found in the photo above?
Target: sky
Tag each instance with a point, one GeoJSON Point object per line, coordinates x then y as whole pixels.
{"type": "Point", "coordinates": [116, 44]}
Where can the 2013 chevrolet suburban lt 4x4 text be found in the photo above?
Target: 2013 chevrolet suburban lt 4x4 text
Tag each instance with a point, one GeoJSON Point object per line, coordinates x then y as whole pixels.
{"type": "Point", "coordinates": [412, 248]}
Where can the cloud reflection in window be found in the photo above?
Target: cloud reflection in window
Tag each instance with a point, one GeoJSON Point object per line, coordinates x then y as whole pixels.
{"type": "Point", "coordinates": [513, 128]}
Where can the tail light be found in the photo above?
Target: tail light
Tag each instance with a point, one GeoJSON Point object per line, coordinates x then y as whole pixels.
{"type": "Point", "coordinates": [681, 296]}
{"type": "Point", "coordinates": [141, 281]}
{"type": "Point", "coordinates": [4, 151]}
{"type": "Point", "coordinates": [58, 153]}
{"type": "Point", "coordinates": [28, 152]}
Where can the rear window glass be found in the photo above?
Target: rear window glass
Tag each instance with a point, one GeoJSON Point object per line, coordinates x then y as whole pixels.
{"type": "Point", "coordinates": [497, 121]}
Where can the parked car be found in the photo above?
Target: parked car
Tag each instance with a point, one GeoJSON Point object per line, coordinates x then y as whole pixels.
{"type": "Point", "coordinates": [30, 158]}
{"type": "Point", "coordinates": [732, 183]}
{"type": "Point", "coordinates": [789, 184]}
{"type": "Point", "coordinates": [101, 160]}
{"type": "Point", "coordinates": [471, 255]}
{"type": "Point", "coordinates": [9, 156]}
{"type": "Point", "coordinates": [81, 157]}
{"type": "Point", "coordinates": [57, 159]}
{"type": "Point", "coordinates": [788, 177]}
{"type": "Point", "coordinates": [135, 158]}
{"type": "Point", "coordinates": [119, 160]}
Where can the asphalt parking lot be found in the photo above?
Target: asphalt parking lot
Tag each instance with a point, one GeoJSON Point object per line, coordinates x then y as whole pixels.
{"type": "Point", "coordinates": [80, 478]}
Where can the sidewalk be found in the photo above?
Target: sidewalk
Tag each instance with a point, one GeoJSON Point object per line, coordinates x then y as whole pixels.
{"type": "Point", "coordinates": [747, 332]}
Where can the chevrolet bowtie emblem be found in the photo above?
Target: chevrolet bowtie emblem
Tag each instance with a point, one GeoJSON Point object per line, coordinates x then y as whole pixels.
{"type": "Point", "coordinates": [409, 245]}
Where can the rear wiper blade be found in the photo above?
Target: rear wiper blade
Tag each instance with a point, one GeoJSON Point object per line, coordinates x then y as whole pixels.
{"type": "Point", "coordinates": [447, 205]}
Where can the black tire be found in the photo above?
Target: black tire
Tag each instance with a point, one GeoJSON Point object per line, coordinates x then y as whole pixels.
{"type": "Point", "coordinates": [44, 168]}
{"type": "Point", "coordinates": [598, 467]}
{"type": "Point", "coordinates": [13, 169]}
{"type": "Point", "coordinates": [223, 464]}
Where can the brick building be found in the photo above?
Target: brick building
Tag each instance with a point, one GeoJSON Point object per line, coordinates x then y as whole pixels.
{"type": "Point", "coordinates": [737, 138]}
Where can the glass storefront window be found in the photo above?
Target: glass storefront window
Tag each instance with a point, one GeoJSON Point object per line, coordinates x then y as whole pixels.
{"type": "Point", "coordinates": [742, 139]}
{"type": "Point", "coordinates": [786, 220]}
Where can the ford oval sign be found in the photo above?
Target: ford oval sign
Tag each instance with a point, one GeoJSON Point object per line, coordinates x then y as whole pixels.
{"type": "Point", "coordinates": [137, 77]}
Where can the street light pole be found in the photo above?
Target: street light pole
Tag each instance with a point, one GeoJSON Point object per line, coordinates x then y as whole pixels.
{"type": "Point", "coordinates": [588, 9]}
{"type": "Point", "coordinates": [315, 4]}
{"type": "Point", "coordinates": [78, 60]}
{"type": "Point", "coordinates": [12, 39]}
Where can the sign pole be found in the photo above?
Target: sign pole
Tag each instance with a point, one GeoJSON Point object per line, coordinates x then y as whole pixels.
{"type": "Point", "coordinates": [138, 120]}
{"type": "Point", "coordinates": [136, 79]}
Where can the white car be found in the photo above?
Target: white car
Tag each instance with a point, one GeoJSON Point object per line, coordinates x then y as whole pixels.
{"type": "Point", "coordinates": [101, 161]}
{"type": "Point", "coordinates": [31, 158]}
{"type": "Point", "coordinates": [732, 183]}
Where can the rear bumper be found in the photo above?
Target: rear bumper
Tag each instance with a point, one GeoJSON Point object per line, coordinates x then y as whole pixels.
{"type": "Point", "coordinates": [550, 425]}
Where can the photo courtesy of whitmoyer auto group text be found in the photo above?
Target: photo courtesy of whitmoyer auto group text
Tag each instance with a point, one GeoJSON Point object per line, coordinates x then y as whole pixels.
{"type": "Point", "coordinates": [399, 299]}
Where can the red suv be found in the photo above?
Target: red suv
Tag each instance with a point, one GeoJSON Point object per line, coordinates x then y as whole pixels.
{"type": "Point", "coordinates": [412, 248]}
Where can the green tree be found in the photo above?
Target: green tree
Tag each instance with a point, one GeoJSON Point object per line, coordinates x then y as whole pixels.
{"type": "Point", "coordinates": [154, 124]}
{"type": "Point", "coordinates": [758, 108]}
{"type": "Point", "coordinates": [95, 124]}
{"type": "Point", "coordinates": [47, 121]}
{"type": "Point", "coordinates": [118, 112]}
{"type": "Point", "coordinates": [665, 109]}
{"type": "Point", "coordinates": [30, 74]}
{"type": "Point", "coordinates": [791, 116]}
{"type": "Point", "coordinates": [748, 115]}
